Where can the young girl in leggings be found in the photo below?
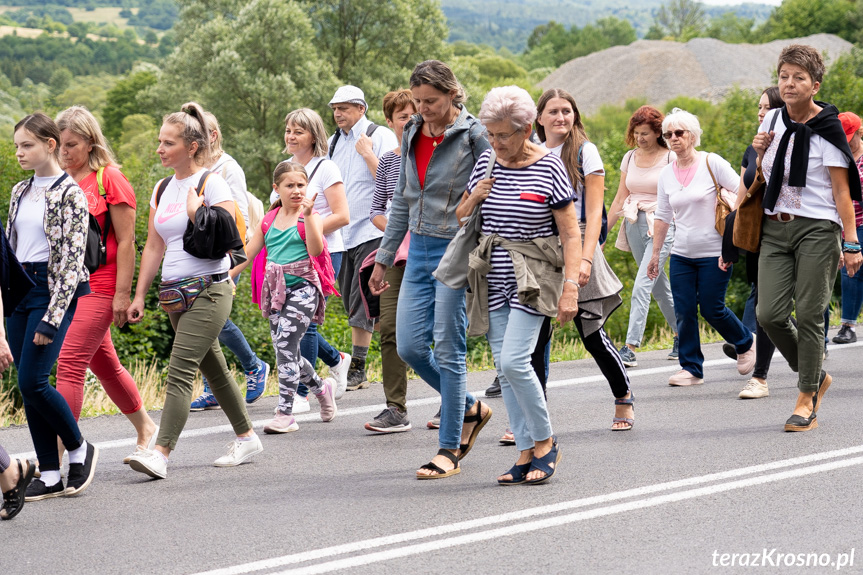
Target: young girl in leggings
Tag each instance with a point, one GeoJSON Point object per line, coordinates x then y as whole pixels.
{"type": "Point", "coordinates": [47, 230]}
{"type": "Point", "coordinates": [184, 146]}
{"type": "Point", "coordinates": [292, 296]}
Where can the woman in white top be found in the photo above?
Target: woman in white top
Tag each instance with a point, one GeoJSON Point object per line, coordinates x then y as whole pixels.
{"type": "Point", "coordinates": [686, 195]}
{"type": "Point", "coordinates": [306, 141]}
{"type": "Point", "coordinates": [205, 299]}
{"type": "Point", "coordinates": [559, 127]}
{"type": "Point", "coordinates": [636, 202]}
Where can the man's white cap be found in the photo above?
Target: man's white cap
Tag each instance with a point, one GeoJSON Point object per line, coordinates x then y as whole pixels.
{"type": "Point", "coordinates": [349, 95]}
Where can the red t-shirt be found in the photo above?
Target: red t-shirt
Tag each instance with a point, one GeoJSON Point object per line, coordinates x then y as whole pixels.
{"type": "Point", "coordinates": [422, 154]}
{"type": "Point", "coordinates": [118, 190]}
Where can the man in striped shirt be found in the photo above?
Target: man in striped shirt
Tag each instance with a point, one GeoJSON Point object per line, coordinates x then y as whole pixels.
{"type": "Point", "coordinates": [355, 148]}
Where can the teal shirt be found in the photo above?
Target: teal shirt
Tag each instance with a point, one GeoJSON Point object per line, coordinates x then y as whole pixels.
{"type": "Point", "coordinates": [285, 247]}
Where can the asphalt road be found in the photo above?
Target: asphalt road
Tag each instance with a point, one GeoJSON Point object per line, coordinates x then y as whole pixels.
{"type": "Point", "coordinates": [701, 477]}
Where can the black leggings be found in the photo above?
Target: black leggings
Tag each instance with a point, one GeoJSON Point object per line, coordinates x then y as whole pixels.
{"type": "Point", "coordinates": [604, 353]}
{"type": "Point", "coordinates": [538, 360]}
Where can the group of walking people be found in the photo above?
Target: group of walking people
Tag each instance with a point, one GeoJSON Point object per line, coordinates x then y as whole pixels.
{"type": "Point", "coordinates": [439, 226]}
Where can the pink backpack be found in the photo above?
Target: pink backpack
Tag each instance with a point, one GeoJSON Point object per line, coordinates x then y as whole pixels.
{"type": "Point", "coordinates": [322, 263]}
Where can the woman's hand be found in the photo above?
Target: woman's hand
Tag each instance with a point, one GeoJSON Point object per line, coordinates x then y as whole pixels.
{"type": "Point", "coordinates": [377, 285]}
{"type": "Point", "coordinates": [723, 265]}
{"type": "Point", "coordinates": [584, 272]}
{"type": "Point", "coordinates": [567, 305]}
{"type": "Point", "coordinates": [42, 339]}
{"type": "Point", "coordinates": [5, 353]}
{"type": "Point", "coordinates": [761, 142]}
{"type": "Point", "coordinates": [852, 263]}
{"type": "Point", "coordinates": [653, 267]}
{"type": "Point", "coordinates": [120, 305]}
{"type": "Point", "coordinates": [193, 202]}
{"type": "Point", "coordinates": [481, 192]}
{"type": "Point", "coordinates": [135, 312]}
{"type": "Point", "coordinates": [309, 205]}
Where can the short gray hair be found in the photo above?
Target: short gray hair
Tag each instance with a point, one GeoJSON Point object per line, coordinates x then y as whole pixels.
{"type": "Point", "coordinates": [682, 119]}
{"type": "Point", "coordinates": [508, 103]}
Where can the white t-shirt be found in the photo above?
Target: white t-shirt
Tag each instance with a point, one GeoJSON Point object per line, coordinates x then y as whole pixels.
{"type": "Point", "coordinates": [171, 220]}
{"type": "Point", "coordinates": [693, 208]}
{"type": "Point", "coordinates": [815, 200]}
{"type": "Point", "coordinates": [32, 245]}
{"type": "Point", "coordinates": [327, 175]}
{"type": "Point", "coordinates": [591, 164]}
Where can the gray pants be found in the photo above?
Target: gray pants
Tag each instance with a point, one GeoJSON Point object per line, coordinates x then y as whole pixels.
{"type": "Point", "coordinates": [641, 245]}
{"type": "Point", "coordinates": [287, 328]}
{"type": "Point", "coordinates": [196, 345]}
{"type": "Point", "coordinates": [796, 269]}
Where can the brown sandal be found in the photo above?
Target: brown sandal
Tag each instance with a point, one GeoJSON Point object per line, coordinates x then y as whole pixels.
{"type": "Point", "coordinates": [439, 472]}
{"type": "Point", "coordinates": [480, 421]}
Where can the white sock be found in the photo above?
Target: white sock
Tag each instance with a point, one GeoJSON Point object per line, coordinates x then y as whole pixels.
{"type": "Point", "coordinates": [79, 455]}
{"type": "Point", "coordinates": [51, 478]}
{"type": "Point", "coordinates": [853, 327]}
{"type": "Point", "coordinates": [249, 438]}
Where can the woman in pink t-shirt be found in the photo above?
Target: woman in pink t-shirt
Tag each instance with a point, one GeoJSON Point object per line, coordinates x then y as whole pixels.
{"type": "Point", "coordinates": [85, 156]}
{"type": "Point", "coordinates": [636, 202]}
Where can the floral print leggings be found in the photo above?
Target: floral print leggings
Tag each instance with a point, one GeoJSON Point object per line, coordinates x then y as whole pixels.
{"type": "Point", "coordinates": [287, 328]}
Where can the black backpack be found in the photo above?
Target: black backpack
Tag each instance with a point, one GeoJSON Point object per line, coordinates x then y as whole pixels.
{"type": "Point", "coordinates": [95, 253]}
{"type": "Point", "coordinates": [369, 131]}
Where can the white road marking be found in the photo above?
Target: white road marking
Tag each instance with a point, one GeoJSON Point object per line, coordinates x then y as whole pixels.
{"type": "Point", "coordinates": [376, 408]}
{"type": "Point", "coordinates": [521, 515]}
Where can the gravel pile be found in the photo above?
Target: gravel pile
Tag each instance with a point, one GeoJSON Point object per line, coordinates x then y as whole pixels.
{"type": "Point", "coordinates": [659, 70]}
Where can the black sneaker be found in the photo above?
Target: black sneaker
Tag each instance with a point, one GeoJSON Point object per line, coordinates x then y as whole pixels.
{"type": "Point", "coordinates": [493, 389]}
{"type": "Point", "coordinates": [357, 375]}
{"type": "Point", "coordinates": [675, 350]}
{"type": "Point", "coordinates": [81, 474]}
{"type": "Point", "coordinates": [37, 490]}
{"type": "Point", "coordinates": [845, 335]}
{"type": "Point", "coordinates": [729, 350]}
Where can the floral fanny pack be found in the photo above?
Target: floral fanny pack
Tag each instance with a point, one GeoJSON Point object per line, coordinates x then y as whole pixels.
{"type": "Point", "coordinates": [178, 296]}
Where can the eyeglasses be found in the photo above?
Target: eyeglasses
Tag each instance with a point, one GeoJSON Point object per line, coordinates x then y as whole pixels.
{"type": "Point", "coordinates": [678, 133]}
{"type": "Point", "coordinates": [499, 137]}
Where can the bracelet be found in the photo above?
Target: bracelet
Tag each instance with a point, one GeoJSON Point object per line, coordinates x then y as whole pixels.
{"type": "Point", "coordinates": [587, 260]}
{"type": "Point", "coordinates": [847, 250]}
{"type": "Point", "coordinates": [573, 282]}
{"type": "Point", "coordinates": [851, 245]}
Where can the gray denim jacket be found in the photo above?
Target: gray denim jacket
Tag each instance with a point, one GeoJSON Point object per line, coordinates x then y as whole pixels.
{"type": "Point", "coordinates": [430, 211]}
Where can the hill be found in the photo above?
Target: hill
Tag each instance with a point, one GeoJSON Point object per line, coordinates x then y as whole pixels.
{"type": "Point", "coordinates": [658, 70]}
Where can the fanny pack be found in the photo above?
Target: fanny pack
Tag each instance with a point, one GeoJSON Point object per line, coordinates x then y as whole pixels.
{"type": "Point", "coordinates": [178, 296]}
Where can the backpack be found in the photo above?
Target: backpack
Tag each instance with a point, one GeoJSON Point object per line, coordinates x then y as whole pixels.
{"type": "Point", "coordinates": [603, 232]}
{"type": "Point", "coordinates": [238, 255]}
{"type": "Point", "coordinates": [322, 262]}
{"type": "Point", "coordinates": [369, 131]}
{"type": "Point", "coordinates": [95, 252]}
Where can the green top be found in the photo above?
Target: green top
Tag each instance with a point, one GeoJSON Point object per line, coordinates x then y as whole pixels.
{"type": "Point", "coordinates": [285, 247]}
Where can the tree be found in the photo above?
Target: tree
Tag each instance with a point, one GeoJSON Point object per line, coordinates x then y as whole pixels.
{"type": "Point", "coordinates": [122, 100]}
{"type": "Point", "coordinates": [259, 62]}
{"type": "Point", "coordinates": [796, 18]}
{"type": "Point", "coordinates": [731, 28]}
{"type": "Point", "coordinates": [843, 82]}
{"type": "Point", "coordinates": [680, 19]}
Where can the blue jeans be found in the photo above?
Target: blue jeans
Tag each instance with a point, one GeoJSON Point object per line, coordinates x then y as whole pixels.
{"type": "Point", "coordinates": [749, 309]}
{"type": "Point", "coordinates": [48, 414]}
{"type": "Point", "coordinates": [852, 292]}
{"type": "Point", "coordinates": [699, 284]}
{"type": "Point", "coordinates": [512, 336]}
{"type": "Point", "coordinates": [314, 345]}
{"type": "Point", "coordinates": [431, 313]}
{"type": "Point", "coordinates": [232, 338]}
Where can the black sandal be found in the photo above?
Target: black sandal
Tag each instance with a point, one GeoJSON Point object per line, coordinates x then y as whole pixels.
{"type": "Point", "coordinates": [13, 500]}
{"type": "Point", "coordinates": [480, 421]}
{"type": "Point", "coordinates": [441, 473]}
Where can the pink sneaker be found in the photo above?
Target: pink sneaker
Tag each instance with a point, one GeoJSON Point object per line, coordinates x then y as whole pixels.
{"type": "Point", "coordinates": [746, 360]}
{"type": "Point", "coordinates": [683, 378]}
{"type": "Point", "coordinates": [327, 400]}
{"type": "Point", "coordinates": [281, 423]}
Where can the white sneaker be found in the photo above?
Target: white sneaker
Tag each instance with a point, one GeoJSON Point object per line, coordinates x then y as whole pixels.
{"type": "Point", "coordinates": [754, 389]}
{"type": "Point", "coordinates": [301, 404]}
{"type": "Point", "coordinates": [239, 451]}
{"type": "Point", "coordinates": [340, 374]}
{"type": "Point", "coordinates": [149, 462]}
{"type": "Point", "coordinates": [150, 445]}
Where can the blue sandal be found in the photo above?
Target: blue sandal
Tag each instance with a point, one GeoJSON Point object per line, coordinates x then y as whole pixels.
{"type": "Point", "coordinates": [544, 464]}
{"type": "Point", "coordinates": [518, 474]}
{"type": "Point", "coordinates": [627, 420]}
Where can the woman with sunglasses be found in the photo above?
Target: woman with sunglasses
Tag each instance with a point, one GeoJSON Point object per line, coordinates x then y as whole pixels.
{"type": "Point", "coordinates": [686, 195]}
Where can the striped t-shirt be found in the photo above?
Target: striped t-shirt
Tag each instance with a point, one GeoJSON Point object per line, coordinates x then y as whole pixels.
{"type": "Point", "coordinates": [518, 208]}
{"type": "Point", "coordinates": [385, 184]}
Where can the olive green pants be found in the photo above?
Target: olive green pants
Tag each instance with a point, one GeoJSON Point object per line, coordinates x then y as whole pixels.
{"type": "Point", "coordinates": [394, 370]}
{"type": "Point", "coordinates": [796, 271]}
{"type": "Point", "coordinates": [196, 346]}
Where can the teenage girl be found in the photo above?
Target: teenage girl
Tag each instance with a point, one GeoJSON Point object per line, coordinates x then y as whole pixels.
{"type": "Point", "coordinates": [292, 296]}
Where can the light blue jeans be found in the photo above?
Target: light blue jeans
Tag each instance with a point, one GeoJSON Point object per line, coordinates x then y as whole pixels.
{"type": "Point", "coordinates": [512, 336]}
{"type": "Point", "coordinates": [642, 248]}
{"type": "Point", "coordinates": [429, 312]}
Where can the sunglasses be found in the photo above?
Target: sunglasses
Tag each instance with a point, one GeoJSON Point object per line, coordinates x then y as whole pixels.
{"type": "Point", "coordinates": [678, 133]}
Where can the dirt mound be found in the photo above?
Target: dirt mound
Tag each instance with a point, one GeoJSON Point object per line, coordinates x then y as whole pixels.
{"type": "Point", "coordinates": [659, 70]}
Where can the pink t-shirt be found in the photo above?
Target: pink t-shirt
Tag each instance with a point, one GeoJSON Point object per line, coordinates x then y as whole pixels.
{"type": "Point", "coordinates": [642, 182]}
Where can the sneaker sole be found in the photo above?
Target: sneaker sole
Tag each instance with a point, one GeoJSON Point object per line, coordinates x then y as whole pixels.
{"type": "Point", "coordinates": [140, 467]}
{"type": "Point", "coordinates": [358, 386]}
{"type": "Point", "coordinates": [497, 394]}
{"type": "Point", "coordinates": [394, 429]}
{"type": "Point", "coordinates": [747, 396]}
{"type": "Point", "coordinates": [240, 462]}
{"type": "Point", "coordinates": [630, 364]}
{"type": "Point", "coordinates": [46, 496]}
{"type": "Point", "coordinates": [208, 408]}
{"type": "Point", "coordinates": [670, 357]}
{"type": "Point", "coordinates": [276, 430]}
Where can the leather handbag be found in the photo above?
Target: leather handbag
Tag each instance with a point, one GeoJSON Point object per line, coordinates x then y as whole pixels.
{"type": "Point", "coordinates": [750, 214]}
{"type": "Point", "coordinates": [452, 269]}
{"type": "Point", "coordinates": [725, 201]}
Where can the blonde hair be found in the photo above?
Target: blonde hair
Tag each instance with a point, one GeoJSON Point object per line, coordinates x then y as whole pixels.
{"type": "Point", "coordinates": [194, 128]}
{"type": "Point", "coordinates": [215, 143]}
{"type": "Point", "coordinates": [82, 123]}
